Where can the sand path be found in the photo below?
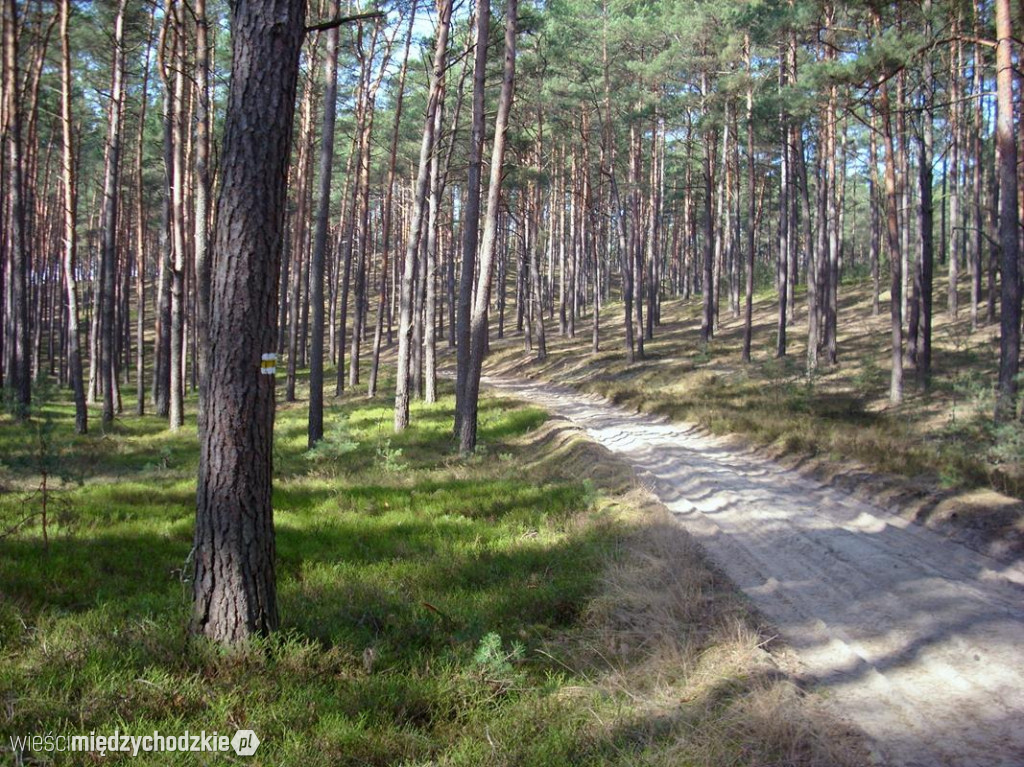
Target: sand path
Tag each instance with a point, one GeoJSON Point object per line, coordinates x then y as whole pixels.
{"type": "Point", "coordinates": [916, 639]}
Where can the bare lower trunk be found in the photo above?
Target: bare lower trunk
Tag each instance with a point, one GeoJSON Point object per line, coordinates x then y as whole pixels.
{"type": "Point", "coordinates": [405, 327]}
{"type": "Point", "coordinates": [478, 340]}
{"type": "Point", "coordinates": [234, 584]}
{"type": "Point", "coordinates": [1009, 232]}
{"type": "Point", "coordinates": [925, 268]}
{"type": "Point", "coordinates": [389, 190]}
{"type": "Point", "coordinates": [315, 426]}
{"type": "Point", "coordinates": [108, 253]}
{"type": "Point", "coordinates": [471, 214]}
{"type": "Point", "coordinates": [893, 240]}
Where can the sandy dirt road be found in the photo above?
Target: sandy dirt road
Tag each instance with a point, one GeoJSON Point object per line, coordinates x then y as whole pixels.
{"type": "Point", "coordinates": [915, 638]}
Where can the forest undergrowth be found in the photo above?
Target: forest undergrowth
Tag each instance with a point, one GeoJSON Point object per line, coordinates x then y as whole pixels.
{"type": "Point", "coordinates": [500, 609]}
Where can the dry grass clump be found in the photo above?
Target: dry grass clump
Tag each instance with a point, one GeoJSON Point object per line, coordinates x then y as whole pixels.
{"type": "Point", "coordinates": [674, 646]}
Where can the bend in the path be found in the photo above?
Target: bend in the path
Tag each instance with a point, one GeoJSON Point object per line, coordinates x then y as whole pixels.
{"type": "Point", "coordinates": [919, 640]}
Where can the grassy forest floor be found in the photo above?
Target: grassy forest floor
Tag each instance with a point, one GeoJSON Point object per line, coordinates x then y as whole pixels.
{"type": "Point", "coordinates": [436, 610]}
{"type": "Point", "coordinates": [937, 458]}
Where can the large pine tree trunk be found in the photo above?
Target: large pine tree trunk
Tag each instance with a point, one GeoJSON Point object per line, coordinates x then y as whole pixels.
{"type": "Point", "coordinates": [234, 585]}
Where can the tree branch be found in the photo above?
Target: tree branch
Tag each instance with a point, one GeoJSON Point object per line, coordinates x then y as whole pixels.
{"type": "Point", "coordinates": [342, 20]}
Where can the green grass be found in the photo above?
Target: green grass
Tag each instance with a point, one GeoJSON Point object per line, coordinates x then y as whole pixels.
{"type": "Point", "coordinates": [435, 610]}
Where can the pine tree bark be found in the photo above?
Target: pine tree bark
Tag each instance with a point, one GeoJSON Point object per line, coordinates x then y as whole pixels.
{"type": "Point", "coordinates": [108, 225]}
{"type": "Point", "coordinates": [178, 238]}
{"type": "Point", "coordinates": [893, 241]}
{"type": "Point", "coordinates": [707, 327]}
{"type": "Point", "coordinates": [748, 305]}
{"type": "Point", "coordinates": [70, 228]}
{"type": "Point", "coordinates": [1009, 223]}
{"type": "Point", "coordinates": [141, 236]}
{"type": "Point", "coordinates": [471, 214]}
{"type": "Point", "coordinates": [785, 175]}
{"type": "Point", "coordinates": [405, 327]}
{"type": "Point", "coordinates": [481, 299]}
{"type": "Point", "coordinates": [162, 342]}
{"type": "Point", "coordinates": [17, 350]}
{"type": "Point", "coordinates": [201, 202]}
{"type": "Point", "coordinates": [315, 425]}
{"type": "Point", "coordinates": [955, 119]}
{"type": "Point", "coordinates": [923, 278]}
{"type": "Point", "coordinates": [234, 582]}
{"type": "Point", "coordinates": [389, 193]}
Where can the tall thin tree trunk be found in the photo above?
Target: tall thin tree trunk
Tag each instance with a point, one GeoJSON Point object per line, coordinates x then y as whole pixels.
{"type": "Point", "coordinates": [875, 219]}
{"type": "Point", "coordinates": [389, 193]}
{"type": "Point", "coordinates": [471, 214]}
{"type": "Point", "coordinates": [478, 340]}
{"type": "Point", "coordinates": [405, 327]}
{"type": "Point", "coordinates": [178, 185]}
{"type": "Point", "coordinates": [70, 229]}
{"type": "Point", "coordinates": [785, 175]}
{"type": "Point", "coordinates": [297, 240]}
{"type": "Point", "coordinates": [201, 200]}
{"type": "Point", "coordinates": [315, 427]}
{"type": "Point", "coordinates": [17, 352]}
{"type": "Point", "coordinates": [430, 266]}
{"type": "Point", "coordinates": [707, 328]}
{"type": "Point", "coordinates": [1009, 232]}
{"type": "Point", "coordinates": [925, 267]}
{"type": "Point", "coordinates": [748, 316]}
{"type": "Point", "coordinates": [893, 238]}
{"type": "Point", "coordinates": [976, 171]}
{"type": "Point", "coordinates": [111, 193]}
{"type": "Point", "coordinates": [141, 238]}
{"type": "Point", "coordinates": [955, 119]}
{"type": "Point", "coordinates": [162, 344]}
